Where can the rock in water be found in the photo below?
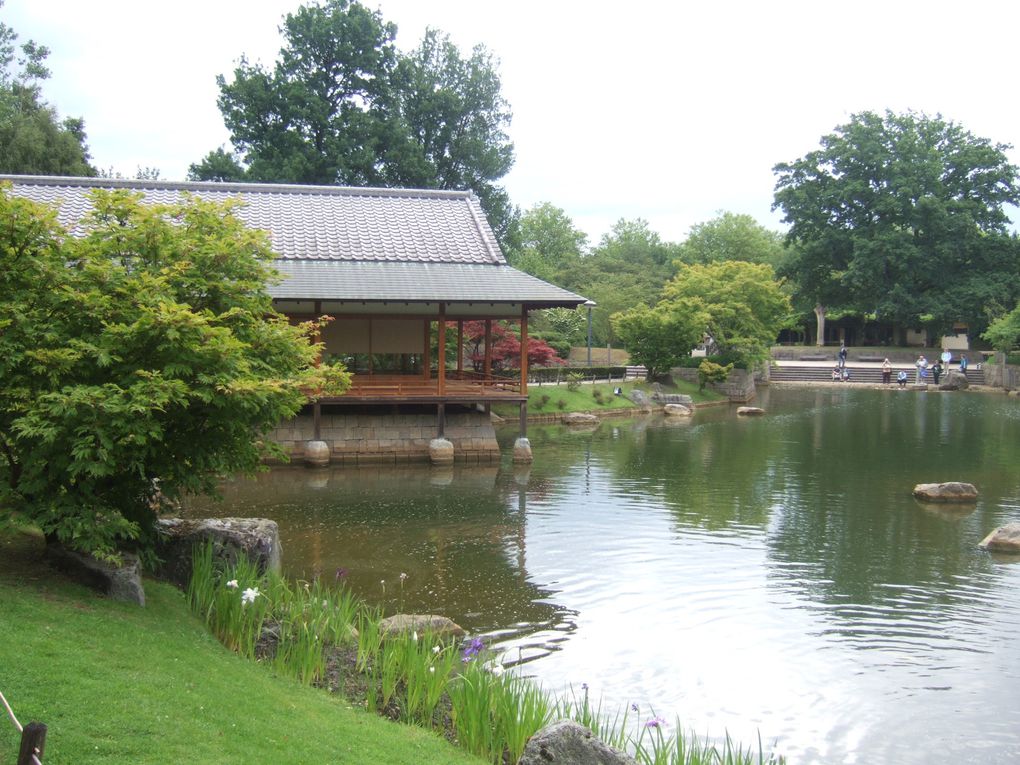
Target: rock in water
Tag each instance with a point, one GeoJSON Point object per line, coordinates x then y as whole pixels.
{"type": "Point", "coordinates": [437, 625]}
{"type": "Point", "coordinates": [677, 410]}
{"type": "Point", "coordinates": [565, 742]}
{"type": "Point", "coordinates": [1003, 539]}
{"type": "Point", "coordinates": [952, 491]}
{"type": "Point", "coordinates": [750, 411]}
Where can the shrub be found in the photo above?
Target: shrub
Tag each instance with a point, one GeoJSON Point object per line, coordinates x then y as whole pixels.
{"type": "Point", "coordinates": [710, 372]}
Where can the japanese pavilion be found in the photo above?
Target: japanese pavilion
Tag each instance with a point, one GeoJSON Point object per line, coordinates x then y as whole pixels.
{"type": "Point", "coordinates": [391, 266]}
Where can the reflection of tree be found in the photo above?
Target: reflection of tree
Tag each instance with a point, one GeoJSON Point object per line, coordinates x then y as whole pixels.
{"type": "Point", "coordinates": [458, 535]}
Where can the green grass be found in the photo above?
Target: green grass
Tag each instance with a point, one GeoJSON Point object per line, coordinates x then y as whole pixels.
{"type": "Point", "coordinates": [545, 399]}
{"type": "Point", "coordinates": [116, 683]}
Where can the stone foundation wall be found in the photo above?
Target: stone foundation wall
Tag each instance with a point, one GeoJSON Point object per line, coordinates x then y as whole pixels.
{"type": "Point", "coordinates": [739, 386]}
{"type": "Point", "coordinates": [390, 437]}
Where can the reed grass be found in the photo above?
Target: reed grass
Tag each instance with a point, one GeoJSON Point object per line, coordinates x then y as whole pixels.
{"type": "Point", "coordinates": [493, 712]}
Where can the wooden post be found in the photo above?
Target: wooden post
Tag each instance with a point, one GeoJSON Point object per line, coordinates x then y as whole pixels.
{"type": "Point", "coordinates": [487, 368]}
{"type": "Point", "coordinates": [317, 420]}
{"type": "Point", "coordinates": [426, 361]}
{"type": "Point", "coordinates": [524, 350]}
{"type": "Point", "coordinates": [460, 345]}
{"type": "Point", "coordinates": [33, 742]}
{"type": "Point", "coordinates": [442, 349]}
{"type": "Point", "coordinates": [524, 419]}
{"type": "Point", "coordinates": [441, 418]}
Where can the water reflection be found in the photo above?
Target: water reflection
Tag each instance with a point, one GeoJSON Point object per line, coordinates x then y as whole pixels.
{"type": "Point", "coordinates": [764, 574]}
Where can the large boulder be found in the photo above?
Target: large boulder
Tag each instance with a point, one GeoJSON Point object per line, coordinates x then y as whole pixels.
{"type": "Point", "coordinates": [565, 742]}
{"type": "Point", "coordinates": [951, 491]}
{"type": "Point", "coordinates": [677, 410]}
{"type": "Point", "coordinates": [123, 582]}
{"type": "Point", "coordinates": [955, 381]}
{"type": "Point", "coordinates": [258, 539]}
{"type": "Point", "coordinates": [750, 411]}
{"type": "Point", "coordinates": [1003, 539]}
{"type": "Point", "coordinates": [579, 418]}
{"type": "Point", "coordinates": [434, 624]}
{"type": "Point", "coordinates": [640, 398]}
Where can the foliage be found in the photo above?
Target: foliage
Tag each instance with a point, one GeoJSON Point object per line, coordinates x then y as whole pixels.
{"type": "Point", "coordinates": [506, 348]}
{"type": "Point", "coordinates": [732, 237]}
{"type": "Point", "coordinates": [141, 360]}
{"type": "Point", "coordinates": [710, 372]}
{"type": "Point", "coordinates": [33, 139]}
{"type": "Point", "coordinates": [744, 304]}
{"type": "Point", "coordinates": [550, 246]}
{"type": "Point", "coordinates": [903, 216]}
{"type": "Point", "coordinates": [659, 337]}
{"type": "Point", "coordinates": [342, 106]}
{"type": "Point", "coordinates": [568, 323]}
{"type": "Point", "coordinates": [1004, 333]}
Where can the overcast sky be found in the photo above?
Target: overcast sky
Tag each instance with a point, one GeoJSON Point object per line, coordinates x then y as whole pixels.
{"type": "Point", "coordinates": [665, 111]}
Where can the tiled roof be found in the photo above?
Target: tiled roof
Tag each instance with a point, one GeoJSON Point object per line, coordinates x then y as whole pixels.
{"type": "Point", "coordinates": [416, 282]}
{"type": "Point", "coordinates": [321, 223]}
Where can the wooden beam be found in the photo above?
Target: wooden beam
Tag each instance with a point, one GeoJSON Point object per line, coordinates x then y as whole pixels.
{"type": "Point", "coordinates": [524, 350]}
{"type": "Point", "coordinates": [441, 362]}
{"type": "Point", "coordinates": [426, 362]}
{"type": "Point", "coordinates": [460, 345]}
{"type": "Point", "coordinates": [487, 368]}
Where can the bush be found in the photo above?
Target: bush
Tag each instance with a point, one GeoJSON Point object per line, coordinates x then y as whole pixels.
{"type": "Point", "coordinates": [561, 403]}
{"type": "Point", "coordinates": [574, 380]}
{"type": "Point", "coordinates": [710, 372]}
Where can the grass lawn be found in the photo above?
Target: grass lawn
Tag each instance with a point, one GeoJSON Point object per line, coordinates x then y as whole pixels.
{"type": "Point", "coordinates": [116, 683]}
{"type": "Point", "coordinates": [545, 399]}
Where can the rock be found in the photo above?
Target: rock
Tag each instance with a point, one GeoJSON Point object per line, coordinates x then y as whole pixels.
{"type": "Point", "coordinates": [955, 381]}
{"type": "Point", "coordinates": [316, 454]}
{"type": "Point", "coordinates": [522, 451]}
{"type": "Point", "coordinates": [952, 491]}
{"type": "Point", "coordinates": [677, 410]}
{"type": "Point", "coordinates": [439, 626]}
{"type": "Point", "coordinates": [578, 418]}
{"type": "Point", "coordinates": [440, 451]}
{"type": "Point", "coordinates": [750, 411]}
{"type": "Point", "coordinates": [565, 742]}
{"type": "Point", "coordinates": [640, 398]}
{"type": "Point", "coordinates": [1003, 539]}
{"type": "Point", "coordinates": [122, 582]}
{"type": "Point", "coordinates": [258, 539]}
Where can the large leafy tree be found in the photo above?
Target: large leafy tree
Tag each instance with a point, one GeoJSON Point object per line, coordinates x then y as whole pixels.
{"type": "Point", "coordinates": [342, 105]}
{"type": "Point", "coordinates": [745, 305]}
{"type": "Point", "coordinates": [33, 138]}
{"type": "Point", "coordinates": [732, 236]}
{"type": "Point", "coordinates": [902, 217]}
{"type": "Point", "coordinates": [140, 357]}
{"type": "Point", "coordinates": [657, 338]}
{"type": "Point", "coordinates": [550, 246]}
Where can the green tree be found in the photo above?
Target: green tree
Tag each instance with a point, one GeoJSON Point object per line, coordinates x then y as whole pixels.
{"type": "Point", "coordinates": [746, 306]}
{"type": "Point", "coordinates": [140, 356]}
{"type": "Point", "coordinates": [902, 217]}
{"type": "Point", "coordinates": [1004, 333]}
{"type": "Point", "coordinates": [732, 237]}
{"type": "Point", "coordinates": [550, 247]}
{"type": "Point", "coordinates": [659, 337]}
{"type": "Point", "coordinates": [342, 106]}
{"type": "Point", "coordinates": [628, 268]}
{"type": "Point", "coordinates": [33, 138]}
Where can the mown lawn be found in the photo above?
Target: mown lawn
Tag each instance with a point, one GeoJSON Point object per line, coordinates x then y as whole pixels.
{"type": "Point", "coordinates": [546, 399]}
{"type": "Point", "coordinates": [116, 683]}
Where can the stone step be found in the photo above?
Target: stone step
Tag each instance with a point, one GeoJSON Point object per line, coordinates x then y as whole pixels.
{"type": "Point", "coordinates": [796, 373]}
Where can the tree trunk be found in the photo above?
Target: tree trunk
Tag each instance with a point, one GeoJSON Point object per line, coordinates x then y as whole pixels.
{"type": "Point", "coordinates": [820, 317]}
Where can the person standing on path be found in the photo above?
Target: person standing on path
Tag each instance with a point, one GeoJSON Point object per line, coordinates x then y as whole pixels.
{"type": "Point", "coordinates": [963, 364]}
{"type": "Point", "coordinates": [936, 371]}
{"type": "Point", "coordinates": [921, 364]}
{"type": "Point", "coordinates": [842, 355]}
{"type": "Point", "coordinates": [947, 357]}
{"type": "Point", "coordinates": [886, 372]}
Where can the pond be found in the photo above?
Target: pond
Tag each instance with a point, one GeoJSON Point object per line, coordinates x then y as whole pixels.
{"type": "Point", "coordinates": [766, 576]}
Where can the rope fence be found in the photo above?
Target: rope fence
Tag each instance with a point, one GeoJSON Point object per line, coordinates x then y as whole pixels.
{"type": "Point", "coordinates": [33, 738]}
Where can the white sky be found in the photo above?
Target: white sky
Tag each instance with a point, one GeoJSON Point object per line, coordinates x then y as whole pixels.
{"type": "Point", "coordinates": [669, 111]}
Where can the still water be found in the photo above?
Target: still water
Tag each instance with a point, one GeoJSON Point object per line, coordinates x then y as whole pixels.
{"type": "Point", "coordinates": [766, 576]}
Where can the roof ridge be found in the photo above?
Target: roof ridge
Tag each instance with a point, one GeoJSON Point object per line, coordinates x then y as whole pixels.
{"type": "Point", "coordinates": [231, 186]}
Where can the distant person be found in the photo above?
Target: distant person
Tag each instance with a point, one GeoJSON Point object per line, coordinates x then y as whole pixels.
{"type": "Point", "coordinates": [886, 372]}
{"type": "Point", "coordinates": [842, 355]}
{"type": "Point", "coordinates": [846, 375]}
{"type": "Point", "coordinates": [922, 367]}
{"type": "Point", "coordinates": [901, 378]}
{"type": "Point", "coordinates": [963, 363]}
{"type": "Point", "coordinates": [936, 371]}
{"type": "Point", "coordinates": [836, 374]}
{"type": "Point", "coordinates": [947, 357]}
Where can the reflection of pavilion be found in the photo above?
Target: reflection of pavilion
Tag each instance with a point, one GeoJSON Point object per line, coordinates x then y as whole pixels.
{"type": "Point", "coordinates": [404, 273]}
{"type": "Point", "coordinates": [458, 532]}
